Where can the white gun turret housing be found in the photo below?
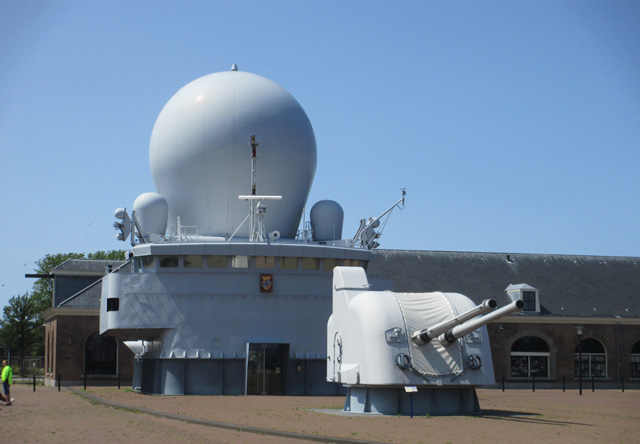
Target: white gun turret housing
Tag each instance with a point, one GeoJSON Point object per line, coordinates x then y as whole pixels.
{"type": "Point", "coordinates": [377, 347]}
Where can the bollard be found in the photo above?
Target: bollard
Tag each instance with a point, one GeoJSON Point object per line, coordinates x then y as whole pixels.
{"type": "Point", "coordinates": [533, 383]}
{"type": "Point", "coordinates": [563, 384]}
{"type": "Point", "coordinates": [58, 381]}
{"type": "Point", "coordinates": [623, 384]}
{"type": "Point", "coordinates": [34, 381]}
{"type": "Point", "coordinates": [411, 401]}
{"type": "Point", "coordinates": [85, 380]}
{"type": "Point", "coordinates": [593, 383]}
{"type": "Point", "coordinates": [503, 383]}
{"type": "Point", "coordinates": [118, 380]}
{"type": "Point", "coordinates": [580, 371]}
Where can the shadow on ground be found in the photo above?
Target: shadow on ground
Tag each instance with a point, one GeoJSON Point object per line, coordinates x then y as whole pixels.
{"type": "Point", "coordinates": [526, 417]}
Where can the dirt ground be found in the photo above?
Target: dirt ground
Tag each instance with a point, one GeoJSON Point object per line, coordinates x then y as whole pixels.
{"type": "Point", "coordinates": [550, 416]}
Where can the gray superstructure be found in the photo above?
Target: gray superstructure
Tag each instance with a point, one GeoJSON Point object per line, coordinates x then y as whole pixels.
{"type": "Point", "coordinates": [208, 324]}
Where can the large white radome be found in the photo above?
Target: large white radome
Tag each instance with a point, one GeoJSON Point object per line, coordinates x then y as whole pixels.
{"type": "Point", "coordinates": [200, 155]}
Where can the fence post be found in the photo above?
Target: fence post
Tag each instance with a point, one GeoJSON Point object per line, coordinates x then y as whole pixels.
{"type": "Point", "coordinates": [533, 383]}
{"type": "Point", "coordinates": [593, 383]}
{"type": "Point", "coordinates": [34, 380]}
{"type": "Point", "coordinates": [85, 380]}
{"type": "Point", "coordinates": [503, 383]}
{"type": "Point", "coordinates": [411, 404]}
{"type": "Point", "coordinates": [623, 384]}
{"type": "Point", "coordinates": [563, 384]}
{"type": "Point", "coordinates": [118, 379]}
{"type": "Point", "coordinates": [58, 381]}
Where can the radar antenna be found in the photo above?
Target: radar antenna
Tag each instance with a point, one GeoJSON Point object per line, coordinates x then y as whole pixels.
{"type": "Point", "coordinates": [128, 226]}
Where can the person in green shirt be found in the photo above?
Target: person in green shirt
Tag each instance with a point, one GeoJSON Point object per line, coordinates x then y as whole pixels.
{"type": "Point", "coordinates": [7, 380]}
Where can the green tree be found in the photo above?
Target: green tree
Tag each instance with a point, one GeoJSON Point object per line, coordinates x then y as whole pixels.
{"type": "Point", "coordinates": [112, 255]}
{"type": "Point", "coordinates": [19, 328]}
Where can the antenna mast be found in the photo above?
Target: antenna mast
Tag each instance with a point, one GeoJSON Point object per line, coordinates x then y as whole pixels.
{"type": "Point", "coordinates": [252, 203]}
{"type": "Point", "coordinates": [257, 207]}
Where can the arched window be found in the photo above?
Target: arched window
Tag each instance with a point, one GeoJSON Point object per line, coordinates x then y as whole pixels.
{"type": "Point", "coordinates": [530, 358]}
{"type": "Point", "coordinates": [635, 360]}
{"type": "Point", "coordinates": [101, 355]}
{"type": "Point", "coordinates": [594, 359]}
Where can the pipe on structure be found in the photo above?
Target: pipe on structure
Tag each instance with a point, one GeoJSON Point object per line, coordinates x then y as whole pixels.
{"type": "Point", "coordinates": [467, 327]}
{"type": "Point", "coordinates": [424, 336]}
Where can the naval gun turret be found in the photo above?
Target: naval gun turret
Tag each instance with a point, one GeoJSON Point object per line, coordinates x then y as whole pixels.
{"type": "Point", "coordinates": [379, 349]}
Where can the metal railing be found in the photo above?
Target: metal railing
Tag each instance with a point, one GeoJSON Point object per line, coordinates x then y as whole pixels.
{"type": "Point", "coordinates": [25, 367]}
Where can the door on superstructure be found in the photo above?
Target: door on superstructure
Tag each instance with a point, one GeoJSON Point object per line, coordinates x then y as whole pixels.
{"type": "Point", "coordinates": [266, 368]}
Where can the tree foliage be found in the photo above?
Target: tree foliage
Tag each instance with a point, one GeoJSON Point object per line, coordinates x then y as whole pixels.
{"type": "Point", "coordinates": [111, 255]}
{"type": "Point", "coordinates": [19, 324]}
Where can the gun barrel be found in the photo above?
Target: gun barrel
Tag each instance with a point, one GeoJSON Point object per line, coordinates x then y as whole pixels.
{"type": "Point", "coordinates": [424, 336]}
{"type": "Point", "coordinates": [467, 327]}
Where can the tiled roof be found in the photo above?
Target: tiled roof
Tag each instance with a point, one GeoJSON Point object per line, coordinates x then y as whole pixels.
{"type": "Point", "coordinates": [85, 266]}
{"type": "Point", "coordinates": [568, 285]}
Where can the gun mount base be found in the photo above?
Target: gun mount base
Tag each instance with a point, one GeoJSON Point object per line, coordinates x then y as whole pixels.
{"type": "Point", "coordinates": [432, 401]}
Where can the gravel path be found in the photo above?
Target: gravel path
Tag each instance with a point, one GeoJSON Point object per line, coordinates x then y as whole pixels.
{"type": "Point", "coordinates": [109, 415]}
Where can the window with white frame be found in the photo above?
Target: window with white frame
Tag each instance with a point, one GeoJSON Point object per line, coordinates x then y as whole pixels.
{"type": "Point", "coordinates": [594, 359]}
{"type": "Point", "coordinates": [530, 358]}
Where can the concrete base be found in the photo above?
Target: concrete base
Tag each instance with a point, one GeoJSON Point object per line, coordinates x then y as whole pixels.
{"type": "Point", "coordinates": [426, 401]}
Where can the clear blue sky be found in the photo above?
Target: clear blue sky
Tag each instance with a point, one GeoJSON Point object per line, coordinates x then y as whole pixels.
{"type": "Point", "coordinates": [514, 126]}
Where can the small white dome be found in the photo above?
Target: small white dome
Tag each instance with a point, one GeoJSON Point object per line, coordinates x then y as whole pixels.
{"type": "Point", "coordinates": [151, 213]}
{"type": "Point", "coordinates": [327, 218]}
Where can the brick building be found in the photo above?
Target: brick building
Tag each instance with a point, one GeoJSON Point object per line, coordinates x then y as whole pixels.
{"type": "Point", "coordinates": [73, 346]}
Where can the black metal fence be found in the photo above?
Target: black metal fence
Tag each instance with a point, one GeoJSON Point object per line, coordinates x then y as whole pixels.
{"type": "Point", "coordinates": [25, 368]}
{"type": "Point", "coordinates": [574, 384]}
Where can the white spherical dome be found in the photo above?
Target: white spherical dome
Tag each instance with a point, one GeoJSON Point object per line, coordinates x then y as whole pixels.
{"type": "Point", "coordinates": [200, 155]}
